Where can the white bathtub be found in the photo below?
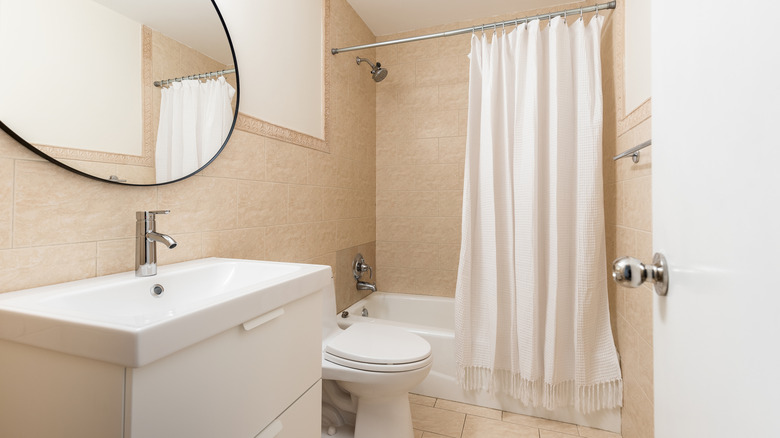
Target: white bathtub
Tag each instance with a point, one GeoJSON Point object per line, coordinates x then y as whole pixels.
{"type": "Point", "coordinates": [433, 318]}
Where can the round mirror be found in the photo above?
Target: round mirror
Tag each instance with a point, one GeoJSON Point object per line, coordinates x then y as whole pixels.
{"type": "Point", "coordinates": [141, 92]}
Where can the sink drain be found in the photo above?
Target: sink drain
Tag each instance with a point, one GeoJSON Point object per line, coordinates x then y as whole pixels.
{"type": "Point", "coordinates": [157, 290]}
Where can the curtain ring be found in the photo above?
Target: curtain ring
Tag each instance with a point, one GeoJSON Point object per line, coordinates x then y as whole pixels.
{"type": "Point", "coordinates": [581, 13]}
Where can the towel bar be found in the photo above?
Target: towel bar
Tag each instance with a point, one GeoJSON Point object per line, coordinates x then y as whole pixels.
{"type": "Point", "coordinates": [633, 152]}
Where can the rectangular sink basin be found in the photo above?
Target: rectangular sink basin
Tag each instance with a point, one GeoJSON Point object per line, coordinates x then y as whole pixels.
{"type": "Point", "coordinates": [133, 321]}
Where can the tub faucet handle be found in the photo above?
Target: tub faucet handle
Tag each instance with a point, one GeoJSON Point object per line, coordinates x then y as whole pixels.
{"type": "Point", "coordinates": [363, 268]}
{"type": "Point", "coordinates": [359, 266]}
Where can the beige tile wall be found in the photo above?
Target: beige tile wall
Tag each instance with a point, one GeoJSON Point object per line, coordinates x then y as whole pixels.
{"type": "Point", "coordinates": [628, 190]}
{"type": "Point", "coordinates": [261, 199]}
{"type": "Point", "coordinates": [421, 140]}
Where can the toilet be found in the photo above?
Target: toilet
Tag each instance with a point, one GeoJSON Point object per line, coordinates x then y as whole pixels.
{"type": "Point", "coordinates": [367, 371]}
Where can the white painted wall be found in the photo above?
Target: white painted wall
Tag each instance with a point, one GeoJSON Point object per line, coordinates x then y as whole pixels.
{"type": "Point", "coordinates": [637, 53]}
{"type": "Point", "coordinates": [279, 51]}
{"type": "Point", "coordinates": [83, 75]}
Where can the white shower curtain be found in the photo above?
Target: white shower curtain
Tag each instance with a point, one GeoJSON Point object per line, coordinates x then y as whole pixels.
{"type": "Point", "coordinates": [532, 314]}
{"type": "Point", "coordinates": [195, 118]}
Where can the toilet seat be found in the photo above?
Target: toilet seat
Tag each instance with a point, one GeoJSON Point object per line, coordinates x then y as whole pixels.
{"type": "Point", "coordinates": [378, 347]}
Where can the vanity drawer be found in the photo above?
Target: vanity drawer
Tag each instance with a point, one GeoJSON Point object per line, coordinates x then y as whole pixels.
{"type": "Point", "coordinates": [233, 384]}
{"type": "Point", "coordinates": [302, 419]}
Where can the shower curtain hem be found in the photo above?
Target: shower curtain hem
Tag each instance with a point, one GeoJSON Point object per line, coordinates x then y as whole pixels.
{"type": "Point", "coordinates": [585, 398]}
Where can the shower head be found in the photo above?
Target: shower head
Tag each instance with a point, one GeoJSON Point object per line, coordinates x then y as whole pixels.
{"type": "Point", "coordinates": [377, 72]}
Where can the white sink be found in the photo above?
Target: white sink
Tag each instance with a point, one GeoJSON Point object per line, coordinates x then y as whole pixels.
{"type": "Point", "coordinates": [117, 319]}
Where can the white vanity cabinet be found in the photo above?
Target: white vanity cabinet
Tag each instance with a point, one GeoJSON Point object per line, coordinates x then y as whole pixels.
{"type": "Point", "coordinates": [258, 379]}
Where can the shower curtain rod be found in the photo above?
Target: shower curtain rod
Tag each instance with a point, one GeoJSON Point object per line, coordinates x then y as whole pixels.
{"type": "Point", "coordinates": [196, 76]}
{"type": "Point", "coordinates": [575, 11]}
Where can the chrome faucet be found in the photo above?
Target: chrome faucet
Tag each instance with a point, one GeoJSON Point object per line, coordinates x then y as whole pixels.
{"type": "Point", "coordinates": [145, 242]}
{"type": "Point", "coordinates": [359, 266]}
{"type": "Point", "coordinates": [364, 285]}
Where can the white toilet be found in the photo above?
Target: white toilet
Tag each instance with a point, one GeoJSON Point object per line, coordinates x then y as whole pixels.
{"type": "Point", "coordinates": [377, 365]}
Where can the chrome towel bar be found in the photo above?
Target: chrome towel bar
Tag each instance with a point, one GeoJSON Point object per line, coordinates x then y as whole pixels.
{"type": "Point", "coordinates": [633, 152]}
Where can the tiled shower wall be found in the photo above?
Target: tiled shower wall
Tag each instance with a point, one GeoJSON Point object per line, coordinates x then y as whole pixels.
{"type": "Point", "coordinates": [260, 199]}
{"type": "Point", "coordinates": [421, 140]}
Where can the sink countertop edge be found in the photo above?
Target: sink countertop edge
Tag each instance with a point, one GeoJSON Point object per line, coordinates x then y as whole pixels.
{"type": "Point", "coordinates": [136, 348]}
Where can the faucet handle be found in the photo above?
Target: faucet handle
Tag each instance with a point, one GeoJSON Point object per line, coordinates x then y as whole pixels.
{"type": "Point", "coordinates": [149, 215]}
{"type": "Point", "coordinates": [359, 266]}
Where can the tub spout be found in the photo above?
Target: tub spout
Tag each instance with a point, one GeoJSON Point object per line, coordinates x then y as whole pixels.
{"type": "Point", "coordinates": [359, 266]}
{"type": "Point", "coordinates": [364, 285]}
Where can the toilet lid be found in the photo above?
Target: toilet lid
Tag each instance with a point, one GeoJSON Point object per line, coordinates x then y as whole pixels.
{"type": "Point", "coordinates": [378, 344]}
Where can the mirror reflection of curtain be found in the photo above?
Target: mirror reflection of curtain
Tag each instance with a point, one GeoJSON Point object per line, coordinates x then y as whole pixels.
{"type": "Point", "coordinates": [195, 118]}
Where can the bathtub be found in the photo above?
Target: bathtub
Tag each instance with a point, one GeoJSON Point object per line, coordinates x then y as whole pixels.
{"type": "Point", "coordinates": [433, 318]}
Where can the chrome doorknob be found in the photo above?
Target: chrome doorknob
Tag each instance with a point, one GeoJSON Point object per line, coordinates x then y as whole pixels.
{"type": "Point", "coordinates": [631, 272]}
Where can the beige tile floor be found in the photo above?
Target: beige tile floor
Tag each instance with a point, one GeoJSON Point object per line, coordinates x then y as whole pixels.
{"type": "Point", "coordinates": [439, 418]}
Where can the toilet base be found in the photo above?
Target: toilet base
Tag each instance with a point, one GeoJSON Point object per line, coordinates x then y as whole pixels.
{"type": "Point", "coordinates": [382, 409]}
{"type": "Point", "coordinates": [384, 417]}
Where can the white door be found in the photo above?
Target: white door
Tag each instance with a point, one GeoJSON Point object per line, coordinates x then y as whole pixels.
{"type": "Point", "coordinates": [716, 217]}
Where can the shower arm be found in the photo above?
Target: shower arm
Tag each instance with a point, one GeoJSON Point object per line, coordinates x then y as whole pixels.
{"type": "Point", "coordinates": [373, 67]}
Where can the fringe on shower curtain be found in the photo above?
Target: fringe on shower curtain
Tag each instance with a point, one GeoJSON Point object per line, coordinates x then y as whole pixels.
{"type": "Point", "coordinates": [586, 398]}
{"type": "Point", "coordinates": [532, 314]}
